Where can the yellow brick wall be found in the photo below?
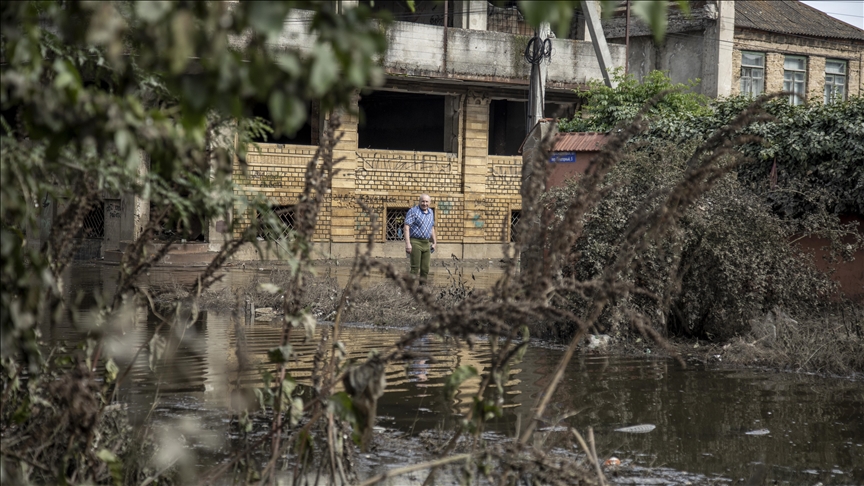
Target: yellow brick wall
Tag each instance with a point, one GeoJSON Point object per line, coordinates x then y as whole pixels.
{"type": "Point", "coordinates": [472, 193]}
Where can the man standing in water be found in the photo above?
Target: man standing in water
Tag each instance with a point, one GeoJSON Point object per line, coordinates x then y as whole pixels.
{"type": "Point", "coordinates": [420, 239]}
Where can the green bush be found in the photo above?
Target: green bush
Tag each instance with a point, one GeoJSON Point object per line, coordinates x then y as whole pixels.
{"type": "Point", "coordinates": [728, 260]}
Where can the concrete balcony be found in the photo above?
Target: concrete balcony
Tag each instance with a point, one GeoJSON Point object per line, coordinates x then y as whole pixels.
{"type": "Point", "coordinates": [471, 56]}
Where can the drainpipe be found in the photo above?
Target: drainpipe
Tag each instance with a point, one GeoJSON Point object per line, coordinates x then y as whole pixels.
{"type": "Point", "coordinates": [446, 14]}
{"type": "Point", "coordinates": [627, 40]}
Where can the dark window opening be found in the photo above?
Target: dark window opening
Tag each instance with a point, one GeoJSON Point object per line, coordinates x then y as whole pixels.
{"type": "Point", "coordinates": [395, 222]}
{"type": "Point", "coordinates": [402, 121]}
{"type": "Point", "coordinates": [507, 120]}
{"type": "Point", "coordinates": [94, 222]}
{"type": "Point", "coordinates": [427, 12]}
{"type": "Point", "coordinates": [277, 228]}
{"type": "Point", "coordinates": [305, 135]}
{"type": "Point", "coordinates": [515, 216]}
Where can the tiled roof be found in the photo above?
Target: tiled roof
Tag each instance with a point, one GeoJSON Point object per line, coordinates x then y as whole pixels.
{"type": "Point", "coordinates": [579, 142]}
{"type": "Point", "coordinates": [792, 17]}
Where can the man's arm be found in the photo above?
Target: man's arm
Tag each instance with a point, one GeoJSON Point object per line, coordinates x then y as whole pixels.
{"type": "Point", "coordinates": [434, 238]}
{"type": "Point", "coordinates": [406, 230]}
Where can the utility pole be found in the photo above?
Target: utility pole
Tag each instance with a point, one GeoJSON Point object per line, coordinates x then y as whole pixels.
{"type": "Point", "coordinates": [539, 49]}
{"type": "Point", "coordinates": [598, 38]}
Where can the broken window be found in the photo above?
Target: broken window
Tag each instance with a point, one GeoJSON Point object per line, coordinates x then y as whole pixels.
{"type": "Point", "coordinates": [404, 121]}
{"type": "Point", "coordinates": [277, 228]}
{"type": "Point", "coordinates": [395, 222]}
{"type": "Point", "coordinates": [305, 135]}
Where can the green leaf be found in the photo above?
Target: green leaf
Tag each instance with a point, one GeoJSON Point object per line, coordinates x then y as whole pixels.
{"type": "Point", "coordinates": [152, 11]}
{"type": "Point", "coordinates": [325, 70]}
{"type": "Point", "coordinates": [459, 375]}
{"type": "Point", "coordinates": [653, 12]}
{"type": "Point", "coordinates": [157, 348]}
{"type": "Point", "coordinates": [267, 17]}
{"type": "Point", "coordinates": [115, 466]}
{"type": "Point", "coordinates": [111, 370]}
{"type": "Point", "coordinates": [280, 354]}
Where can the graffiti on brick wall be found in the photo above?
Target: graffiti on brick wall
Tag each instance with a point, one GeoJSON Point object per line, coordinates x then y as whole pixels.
{"type": "Point", "coordinates": [350, 200]}
{"type": "Point", "coordinates": [506, 170]}
{"type": "Point", "coordinates": [405, 162]}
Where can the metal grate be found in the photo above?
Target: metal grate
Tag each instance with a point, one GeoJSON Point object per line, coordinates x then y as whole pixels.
{"type": "Point", "coordinates": [270, 230]}
{"type": "Point", "coordinates": [508, 19]}
{"type": "Point", "coordinates": [94, 222]}
{"type": "Point", "coordinates": [395, 221]}
{"type": "Point", "coordinates": [515, 216]}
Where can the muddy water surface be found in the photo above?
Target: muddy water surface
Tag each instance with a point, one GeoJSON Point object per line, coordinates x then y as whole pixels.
{"type": "Point", "coordinates": [711, 425]}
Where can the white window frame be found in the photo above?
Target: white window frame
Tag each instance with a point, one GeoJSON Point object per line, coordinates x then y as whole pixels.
{"type": "Point", "coordinates": [750, 84]}
{"type": "Point", "coordinates": [795, 79]}
{"type": "Point", "coordinates": [835, 82]}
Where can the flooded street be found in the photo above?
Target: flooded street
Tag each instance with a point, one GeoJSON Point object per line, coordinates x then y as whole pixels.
{"type": "Point", "coordinates": [710, 425]}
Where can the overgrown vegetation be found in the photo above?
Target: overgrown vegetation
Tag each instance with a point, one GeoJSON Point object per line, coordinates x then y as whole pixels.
{"type": "Point", "coordinates": [89, 89]}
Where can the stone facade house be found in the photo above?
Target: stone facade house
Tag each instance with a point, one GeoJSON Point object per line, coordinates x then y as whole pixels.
{"type": "Point", "coordinates": [751, 46]}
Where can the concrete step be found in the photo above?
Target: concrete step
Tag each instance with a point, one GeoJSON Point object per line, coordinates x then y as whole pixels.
{"type": "Point", "coordinates": [176, 248]}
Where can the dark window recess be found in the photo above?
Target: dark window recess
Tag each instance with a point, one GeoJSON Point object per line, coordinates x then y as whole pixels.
{"type": "Point", "coordinates": [507, 120]}
{"type": "Point", "coordinates": [395, 222]}
{"type": "Point", "coordinates": [402, 121]}
{"type": "Point", "coordinates": [515, 216]}
{"type": "Point", "coordinates": [279, 229]}
{"type": "Point", "coordinates": [94, 222]}
{"type": "Point", "coordinates": [424, 12]}
{"type": "Point", "coordinates": [303, 136]}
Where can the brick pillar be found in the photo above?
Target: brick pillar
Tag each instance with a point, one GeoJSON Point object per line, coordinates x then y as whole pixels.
{"type": "Point", "coordinates": [344, 184]}
{"type": "Point", "coordinates": [773, 72]}
{"type": "Point", "coordinates": [474, 168]}
{"type": "Point", "coordinates": [815, 79]}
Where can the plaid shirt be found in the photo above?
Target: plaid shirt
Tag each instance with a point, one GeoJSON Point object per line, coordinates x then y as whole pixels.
{"type": "Point", "coordinates": [420, 224]}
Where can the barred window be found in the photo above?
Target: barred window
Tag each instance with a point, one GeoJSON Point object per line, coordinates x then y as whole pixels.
{"type": "Point", "coordinates": [515, 216]}
{"type": "Point", "coordinates": [94, 222]}
{"type": "Point", "coordinates": [268, 229]}
{"type": "Point", "coordinates": [752, 73]}
{"type": "Point", "coordinates": [835, 80]}
{"type": "Point", "coordinates": [395, 222]}
{"type": "Point", "coordinates": [794, 78]}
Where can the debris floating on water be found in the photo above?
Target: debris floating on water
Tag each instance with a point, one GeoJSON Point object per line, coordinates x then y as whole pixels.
{"type": "Point", "coordinates": [612, 462]}
{"type": "Point", "coordinates": [637, 429]}
{"type": "Point", "coordinates": [758, 432]}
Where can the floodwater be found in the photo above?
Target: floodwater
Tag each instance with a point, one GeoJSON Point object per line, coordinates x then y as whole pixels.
{"type": "Point", "coordinates": [712, 426]}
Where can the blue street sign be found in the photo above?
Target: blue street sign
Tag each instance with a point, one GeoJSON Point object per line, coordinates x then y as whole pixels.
{"type": "Point", "coordinates": [562, 158]}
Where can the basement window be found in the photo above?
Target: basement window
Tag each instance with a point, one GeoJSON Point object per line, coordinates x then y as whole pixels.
{"type": "Point", "coordinates": [278, 228]}
{"type": "Point", "coordinates": [403, 121]}
{"type": "Point", "coordinates": [395, 222]}
{"type": "Point", "coordinates": [515, 216]}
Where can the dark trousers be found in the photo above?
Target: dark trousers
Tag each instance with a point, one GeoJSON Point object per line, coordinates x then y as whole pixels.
{"type": "Point", "coordinates": [420, 256]}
